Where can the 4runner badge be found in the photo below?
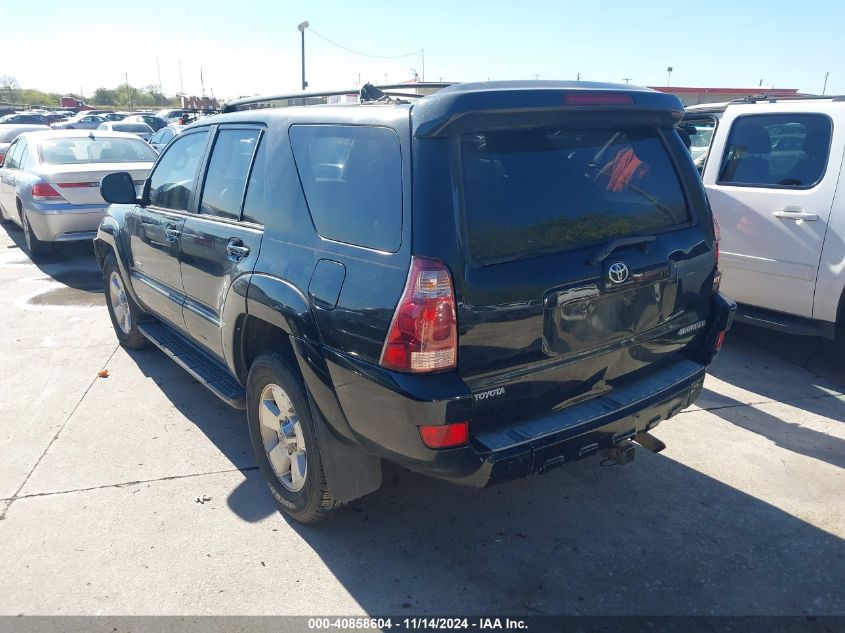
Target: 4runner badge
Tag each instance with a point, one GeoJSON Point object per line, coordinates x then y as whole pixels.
{"type": "Point", "coordinates": [617, 272]}
{"type": "Point", "coordinates": [489, 394]}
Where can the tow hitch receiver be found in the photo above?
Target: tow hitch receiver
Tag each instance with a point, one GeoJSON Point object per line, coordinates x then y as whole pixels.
{"type": "Point", "coordinates": [620, 454]}
{"type": "Point", "coordinates": [649, 442]}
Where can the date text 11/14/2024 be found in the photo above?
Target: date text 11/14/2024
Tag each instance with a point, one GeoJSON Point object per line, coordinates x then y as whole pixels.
{"type": "Point", "coordinates": [416, 623]}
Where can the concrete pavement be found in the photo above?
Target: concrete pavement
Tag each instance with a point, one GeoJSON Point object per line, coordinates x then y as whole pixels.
{"type": "Point", "coordinates": [99, 481]}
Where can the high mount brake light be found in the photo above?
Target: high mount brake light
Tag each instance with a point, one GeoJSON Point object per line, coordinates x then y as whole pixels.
{"type": "Point", "coordinates": [597, 99]}
{"type": "Point", "coordinates": [423, 334]}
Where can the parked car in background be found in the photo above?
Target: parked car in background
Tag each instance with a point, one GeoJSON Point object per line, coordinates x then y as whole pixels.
{"type": "Point", "coordinates": [138, 129]}
{"type": "Point", "coordinates": [150, 119]}
{"type": "Point", "coordinates": [9, 133]}
{"type": "Point", "coordinates": [49, 182]}
{"type": "Point", "coordinates": [315, 266]}
{"type": "Point", "coordinates": [81, 121]}
{"type": "Point", "coordinates": [772, 176]}
{"type": "Point", "coordinates": [163, 136]}
{"type": "Point", "coordinates": [171, 114]}
{"type": "Point", "coordinates": [114, 116]}
{"type": "Point", "coordinates": [23, 119]}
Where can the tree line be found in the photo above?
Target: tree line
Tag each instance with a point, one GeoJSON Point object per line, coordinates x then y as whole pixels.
{"type": "Point", "coordinates": [122, 96]}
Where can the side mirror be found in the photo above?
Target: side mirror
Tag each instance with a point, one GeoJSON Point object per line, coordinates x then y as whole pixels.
{"type": "Point", "coordinates": [118, 188]}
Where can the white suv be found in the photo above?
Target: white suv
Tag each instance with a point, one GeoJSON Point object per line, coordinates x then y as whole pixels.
{"type": "Point", "coordinates": [771, 176]}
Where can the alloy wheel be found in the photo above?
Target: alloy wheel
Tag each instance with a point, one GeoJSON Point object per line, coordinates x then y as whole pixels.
{"type": "Point", "coordinates": [281, 434]}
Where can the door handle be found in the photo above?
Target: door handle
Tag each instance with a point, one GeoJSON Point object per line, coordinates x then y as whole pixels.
{"type": "Point", "coordinates": [172, 233]}
{"type": "Point", "coordinates": [796, 213]}
{"type": "Point", "coordinates": [236, 248]}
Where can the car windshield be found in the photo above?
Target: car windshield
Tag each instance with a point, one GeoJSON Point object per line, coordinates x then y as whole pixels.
{"type": "Point", "coordinates": [533, 191]}
{"type": "Point", "coordinates": [701, 133]}
{"type": "Point", "coordinates": [72, 151]}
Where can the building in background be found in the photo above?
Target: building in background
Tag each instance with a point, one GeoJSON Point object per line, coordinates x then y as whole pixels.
{"type": "Point", "coordinates": [693, 96]}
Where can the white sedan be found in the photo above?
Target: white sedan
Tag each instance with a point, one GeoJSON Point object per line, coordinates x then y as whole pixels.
{"type": "Point", "coordinates": [50, 182]}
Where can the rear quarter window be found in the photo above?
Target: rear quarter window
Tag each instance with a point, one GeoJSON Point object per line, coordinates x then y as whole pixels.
{"type": "Point", "coordinates": [352, 180]}
{"type": "Point", "coordinates": [528, 192]}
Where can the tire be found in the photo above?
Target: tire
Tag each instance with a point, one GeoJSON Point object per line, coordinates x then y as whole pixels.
{"type": "Point", "coordinates": [36, 247]}
{"type": "Point", "coordinates": [125, 314]}
{"type": "Point", "coordinates": [306, 499]}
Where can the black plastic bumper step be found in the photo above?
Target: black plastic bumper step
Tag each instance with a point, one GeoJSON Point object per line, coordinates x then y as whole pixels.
{"type": "Point", "coordinates": [207, 370]}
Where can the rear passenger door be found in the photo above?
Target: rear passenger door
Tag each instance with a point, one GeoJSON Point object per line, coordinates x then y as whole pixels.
{"type": "Point", "coordinates": [771, 180]}
{"type": "Point", "coordinates": [155, 229]}
{"type": "Point", "coordinates": [221, 240]}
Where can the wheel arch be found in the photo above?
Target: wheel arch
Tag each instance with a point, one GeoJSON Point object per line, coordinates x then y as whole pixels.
{"type": "Point", "coordinates": [278, 318]}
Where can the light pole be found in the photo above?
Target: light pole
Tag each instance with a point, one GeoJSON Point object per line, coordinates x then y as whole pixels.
{"type": "Point", "coordinates": [128, 90]}
{"type": "Point", "coordinates": [824, 88]}
{"type": "Point", "coordinates": [669, 76]}
{"type": "Point", "coordinates": [302, 27]}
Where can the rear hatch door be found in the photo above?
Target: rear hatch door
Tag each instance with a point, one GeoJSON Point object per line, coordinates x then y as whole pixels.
{"type": "Point", "coordinates": [587, 254]}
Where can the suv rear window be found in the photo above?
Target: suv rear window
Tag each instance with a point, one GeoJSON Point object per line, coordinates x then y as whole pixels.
{"type": "Point", "coordinates": [528, 192]}
{"type": "Point", "coordinates": [352, 179]}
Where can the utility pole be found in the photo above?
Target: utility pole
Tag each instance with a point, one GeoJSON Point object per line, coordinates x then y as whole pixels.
{"type": "Point", "coordinates": [578, 77]}
{"type": "Point", "coordinates": [627, 80]}
{"type": "Point", "coordinates": [160, 91]}
{"type": "Point", "coordinates": [302, 26]}
{"type": "Point", "coordinates": [824, 89]}
{"type": "Point", "coordinates": [181, 85]}
{"type": "Point", "coordinates": [422, 55]}
{"type": "Point", "coordinates": [128, 90]}
{"type": "Point", "coordinates": [202, 81]}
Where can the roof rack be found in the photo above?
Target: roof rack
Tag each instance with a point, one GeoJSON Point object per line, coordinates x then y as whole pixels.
{"type": "Point", "coordinates": [794, 97]}
{"type": "Point", "coordinates": [315, 98]}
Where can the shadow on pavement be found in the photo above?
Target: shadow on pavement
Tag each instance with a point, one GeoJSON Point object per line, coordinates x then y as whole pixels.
{"type": "Point", "coordinates": [652, 538]}
{"type": "Point", "coordinates": [655, 537]}
{"type": "Point", "coordinates": [223, 426]}
{"type": "Point", "coordinates": [786, 434]}
{"type": "Point", "coordinates": [72, 264]}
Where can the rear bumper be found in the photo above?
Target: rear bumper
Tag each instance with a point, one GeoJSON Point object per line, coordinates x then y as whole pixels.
{"type": "Point", "coordinates": [585, 429]}
{"type": "Point", "coordinates": [385, 421]}
{"type": "Point", "coordinates": [65, 222]}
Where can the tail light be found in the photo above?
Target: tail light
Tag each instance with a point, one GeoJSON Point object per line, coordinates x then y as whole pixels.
{"type": "Point", "coordinates": [720, 340]}
{"type": "Point", "coordinates": [717, 275]}
{"type": "Point", "coordinates": [2, 155]}
{"type": "Point", "coordinates": [445, 435]}
{"type": "Point", "coordinates": [45, 193]}
{"type": "Point", "coordinates": [423, 335]}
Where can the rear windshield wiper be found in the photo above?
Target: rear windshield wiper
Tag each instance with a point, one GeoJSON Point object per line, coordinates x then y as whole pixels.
{"type": "Point", "coordinates": [604, 252]}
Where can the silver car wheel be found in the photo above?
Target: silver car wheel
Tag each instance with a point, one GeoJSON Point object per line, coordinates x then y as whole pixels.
{"type": "Point", "coordinates": [281, 434]}
{"type": "Point", "coordinates": [119, 303]}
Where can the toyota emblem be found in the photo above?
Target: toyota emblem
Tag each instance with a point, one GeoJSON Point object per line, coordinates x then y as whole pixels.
{"type": "Point", "coordinates": [617, 272]}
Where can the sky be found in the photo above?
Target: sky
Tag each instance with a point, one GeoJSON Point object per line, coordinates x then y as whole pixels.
{"type": "Point", "coordinates": [250, 47]}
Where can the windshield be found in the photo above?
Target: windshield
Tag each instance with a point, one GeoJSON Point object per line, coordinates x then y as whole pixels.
{"type": "Point", "coordinates": [534, 191]}
{"type": "Point", "coordinates": [71, 151]}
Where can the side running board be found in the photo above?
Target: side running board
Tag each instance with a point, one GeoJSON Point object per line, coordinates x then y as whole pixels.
{"type": "Point", "coordinates": [202, 366]}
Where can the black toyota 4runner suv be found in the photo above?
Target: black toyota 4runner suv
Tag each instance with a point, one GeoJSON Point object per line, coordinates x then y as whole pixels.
{"type": "Point", "coordinates": [477, 284]}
